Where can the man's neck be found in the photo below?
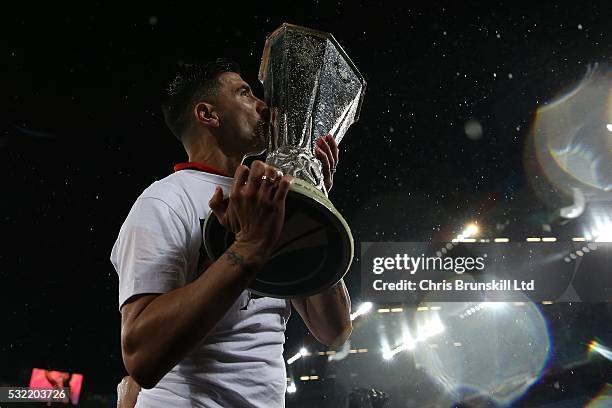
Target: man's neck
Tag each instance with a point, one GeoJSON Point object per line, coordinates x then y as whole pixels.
{"type": "Point", "coordinates": [217, 161]}
{"type": "Point", "coordinates": [208, 153]}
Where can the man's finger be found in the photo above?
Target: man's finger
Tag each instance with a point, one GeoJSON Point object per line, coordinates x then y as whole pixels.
{"type": "Point", "coordinates": [218, 205]}
{"type": "Point", "coordinates": [324, 163]}
{"type": "Point", "coordinates": [333, 147]}
{"type": "Point", "coordinates": [283, 188]}
{"type": "Point", "coordinates": [270, 182]}
{"type": "Point", "coordinates": [240, 178]}
{"type": "Point", "coordinates": [323, 145]}
{"type": "Point", "coordinates": [257, 170]}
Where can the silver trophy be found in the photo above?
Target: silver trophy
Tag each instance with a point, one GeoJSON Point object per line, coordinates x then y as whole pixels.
{"type": "Point", "coordinates": [312, 89]}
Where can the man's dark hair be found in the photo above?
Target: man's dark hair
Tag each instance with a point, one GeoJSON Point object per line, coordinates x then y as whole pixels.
{"type": "Point", "coordinates": [191, 84]}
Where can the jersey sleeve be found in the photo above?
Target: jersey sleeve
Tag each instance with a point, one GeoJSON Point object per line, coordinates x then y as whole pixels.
{"type": "Point", "coordinates": [150, 254]}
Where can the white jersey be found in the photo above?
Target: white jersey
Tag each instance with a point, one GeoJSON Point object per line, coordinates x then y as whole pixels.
{"type": "Point", "coordinates": [159, 248]}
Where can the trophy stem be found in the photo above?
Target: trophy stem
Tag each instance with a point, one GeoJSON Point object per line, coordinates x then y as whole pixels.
{"type": "Point", "coordinates": [299, 163]}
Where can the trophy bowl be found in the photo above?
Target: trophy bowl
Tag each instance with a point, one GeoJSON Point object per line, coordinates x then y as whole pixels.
{"type": "Point", "coordinates": [312, 89]}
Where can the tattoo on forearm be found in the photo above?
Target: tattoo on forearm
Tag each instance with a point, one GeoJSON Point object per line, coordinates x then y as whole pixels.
{"type": "Point", "coordinates": [235, 258]}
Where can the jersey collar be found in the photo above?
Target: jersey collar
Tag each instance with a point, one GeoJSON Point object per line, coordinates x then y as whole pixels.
{"type": "Point", "coordinates": [199, 167]}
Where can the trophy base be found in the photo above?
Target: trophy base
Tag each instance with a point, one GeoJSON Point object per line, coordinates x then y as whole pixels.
{"type": "Point", "coordinates": [314, 251]}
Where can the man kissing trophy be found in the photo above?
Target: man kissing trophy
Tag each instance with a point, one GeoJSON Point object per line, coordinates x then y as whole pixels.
{"type": "Point", "coordinates": [312, 89]}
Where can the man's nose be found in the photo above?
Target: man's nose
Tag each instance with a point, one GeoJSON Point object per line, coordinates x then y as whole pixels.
{"type": "Point", "coordinates": [263, 110]}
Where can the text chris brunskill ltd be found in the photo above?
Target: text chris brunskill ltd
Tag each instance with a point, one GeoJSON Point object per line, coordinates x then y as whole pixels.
{"type": "Point", "coordinates": [458, 285]}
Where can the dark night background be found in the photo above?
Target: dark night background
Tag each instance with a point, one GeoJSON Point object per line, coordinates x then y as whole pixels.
{"type": "Point", "coordinates": [82, 135]}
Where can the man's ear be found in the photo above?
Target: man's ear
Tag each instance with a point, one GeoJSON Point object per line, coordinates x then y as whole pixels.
{"type": "Point", "coordinates": [205, 114]}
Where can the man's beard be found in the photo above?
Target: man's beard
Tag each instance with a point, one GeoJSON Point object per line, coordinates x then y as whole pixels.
{"type": "Point", "coordinates": [262, 134]}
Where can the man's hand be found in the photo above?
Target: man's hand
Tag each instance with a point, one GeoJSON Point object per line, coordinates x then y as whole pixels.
{"type": "Point", "coordinates": [255, 210]}
{"type": "Point", "coordinates": [326, 150]}
{"type": "Point", "coordinates": [127, 393]}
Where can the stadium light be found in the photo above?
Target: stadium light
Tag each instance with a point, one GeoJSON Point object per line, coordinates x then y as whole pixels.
{"type": "Point", "coordinates": [363, 308]}
{"type": "Point", "coordinates": [291, 388]}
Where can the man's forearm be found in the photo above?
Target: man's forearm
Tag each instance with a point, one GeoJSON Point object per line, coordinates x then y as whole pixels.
{"type": "Point", "coordinates": [328, 315]}
{"type": "Point", "coordinates": [171, 325]}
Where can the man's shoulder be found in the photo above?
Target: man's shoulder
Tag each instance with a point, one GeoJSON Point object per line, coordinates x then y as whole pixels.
{"type": "Point", "coordinates": [167, 188]}
{"type": "Point", "coordinates": [184, 185]}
